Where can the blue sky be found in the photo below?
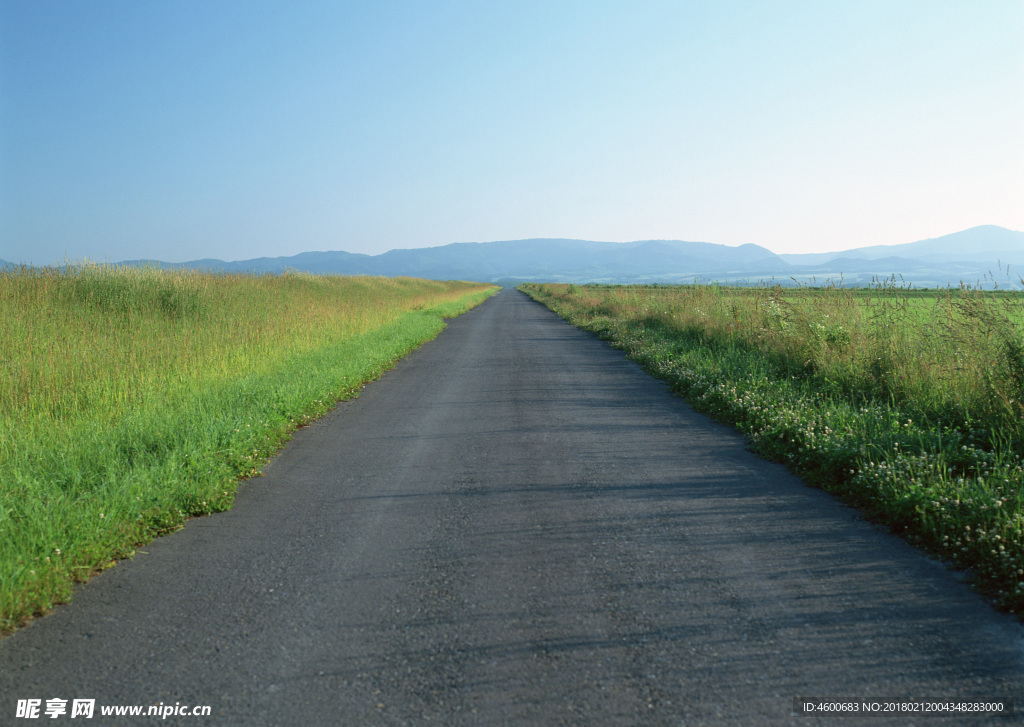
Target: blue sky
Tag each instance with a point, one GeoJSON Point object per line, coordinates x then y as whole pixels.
{"type": "Point", "coordinates": [236, 129]}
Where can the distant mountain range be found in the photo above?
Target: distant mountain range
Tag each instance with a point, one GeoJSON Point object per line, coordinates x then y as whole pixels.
{"type": "Point", "coordinates": [519, 260]}
{"type": "Point", "coordinates": [980, 254]}
{"type": "Point", "coordinates": [976, 255]}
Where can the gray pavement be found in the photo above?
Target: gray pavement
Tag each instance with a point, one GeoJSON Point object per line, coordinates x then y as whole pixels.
{"type": "Point", "coordinates": [518, 526]}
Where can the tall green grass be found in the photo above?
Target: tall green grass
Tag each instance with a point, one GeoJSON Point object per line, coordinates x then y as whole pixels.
{"type": "Point", "coordinates": [907, 404]}
{"type": "Point", "coordinates": [133, 399]}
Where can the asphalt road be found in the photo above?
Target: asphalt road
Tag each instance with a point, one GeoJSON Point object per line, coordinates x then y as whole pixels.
{"type": "Point", "coordinates": [518, 526]}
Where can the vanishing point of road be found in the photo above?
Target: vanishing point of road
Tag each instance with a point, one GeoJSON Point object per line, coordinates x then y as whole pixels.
{"type": "Point", "coordinates": [517, 526]}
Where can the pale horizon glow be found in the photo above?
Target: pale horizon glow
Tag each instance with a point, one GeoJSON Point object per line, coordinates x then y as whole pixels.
{"type": "Point", "coordinates": [250, 128]}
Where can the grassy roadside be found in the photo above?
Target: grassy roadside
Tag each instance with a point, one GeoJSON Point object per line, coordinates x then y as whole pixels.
{"type": "Point", "coordinates": [131, 400]}
{"type": "Point", "coordinates": [851, 392]}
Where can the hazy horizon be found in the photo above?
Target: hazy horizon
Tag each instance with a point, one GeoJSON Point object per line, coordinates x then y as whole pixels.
{"type": "Point", "coordinates": [182, 131]}
{"type": "Point", "coordinates": [979, 240]}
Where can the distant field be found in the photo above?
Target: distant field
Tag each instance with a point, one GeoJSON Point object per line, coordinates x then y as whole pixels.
{"type": "Point", "coordinates": [133, 399]}
{"type": "Point", "coordinates": [909, 404]}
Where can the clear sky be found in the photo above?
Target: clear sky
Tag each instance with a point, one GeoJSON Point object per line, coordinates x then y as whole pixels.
{"type": "Point", "coordinates": [233, 129]}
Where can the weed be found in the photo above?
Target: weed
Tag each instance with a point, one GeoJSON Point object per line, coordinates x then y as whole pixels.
{"type": "Point", "coordinates": [131, 399]}
{"type": "Point", "coordinates": [906, 404]}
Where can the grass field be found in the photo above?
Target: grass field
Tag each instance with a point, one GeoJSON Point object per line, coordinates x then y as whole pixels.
{"type": "Point", "coordinates": [908, 404]}
{"type": "Point", "coordinates": [132, 399]}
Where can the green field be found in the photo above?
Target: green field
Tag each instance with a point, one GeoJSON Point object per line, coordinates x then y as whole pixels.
{"type": "Point", "coordinates": [908, 404]}
{"type": "Point", "coordinates": [132, 399]}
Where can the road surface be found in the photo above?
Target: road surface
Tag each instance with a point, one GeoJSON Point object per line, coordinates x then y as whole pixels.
{"type": "Point", "coordinates": [518, 526]}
